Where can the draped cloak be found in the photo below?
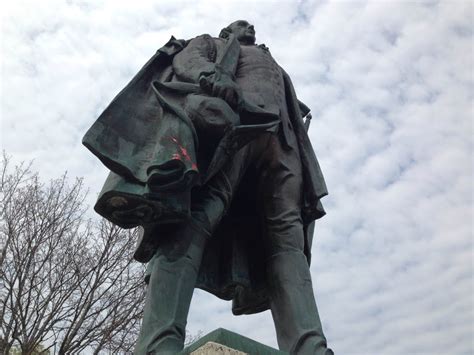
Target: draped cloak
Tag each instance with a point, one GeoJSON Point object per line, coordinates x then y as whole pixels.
{"type": "Point", "coordinates": [152, 150]}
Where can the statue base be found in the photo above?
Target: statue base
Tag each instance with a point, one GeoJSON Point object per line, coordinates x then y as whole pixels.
{"type": "Point", "coordinates": [225, 342]}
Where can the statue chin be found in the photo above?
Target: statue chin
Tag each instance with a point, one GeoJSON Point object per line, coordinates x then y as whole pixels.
{"type": "Point", "coordinates": [247, 39]}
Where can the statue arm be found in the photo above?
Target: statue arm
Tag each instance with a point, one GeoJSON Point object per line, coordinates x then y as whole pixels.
{"type": "Point", "coordinates": [196, 59]}
{"type": "Point", "coordinates": [196, 63]}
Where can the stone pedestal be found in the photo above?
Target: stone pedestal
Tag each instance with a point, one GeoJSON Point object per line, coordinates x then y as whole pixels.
{"type": "Point", "coordinates": [214, 348]}
{"type": "Point", "coordinates": [225, 342]}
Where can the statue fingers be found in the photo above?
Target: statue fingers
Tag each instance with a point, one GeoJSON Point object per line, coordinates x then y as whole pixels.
{"type": "Point", "coordinates": [216, 90]}
{"type": "Point", "coordinates": [223, 92]}
{"type": "Point", "coordinates": [230, 97]}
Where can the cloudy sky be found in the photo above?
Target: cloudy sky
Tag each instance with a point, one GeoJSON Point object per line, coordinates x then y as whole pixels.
{"type": "Point", "coordinates": [390, 85]}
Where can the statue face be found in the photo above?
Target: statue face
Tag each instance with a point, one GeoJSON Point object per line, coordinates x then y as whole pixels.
{"type": "Point", "coordinates": [244, 31]}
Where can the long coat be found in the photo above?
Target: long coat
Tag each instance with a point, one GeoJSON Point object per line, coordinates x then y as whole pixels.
{"type": "Point", "coordinates": [144, 129]}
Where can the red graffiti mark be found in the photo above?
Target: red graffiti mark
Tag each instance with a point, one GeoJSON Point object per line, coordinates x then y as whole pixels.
{"type": "Point", "coordinates": [183, 153]}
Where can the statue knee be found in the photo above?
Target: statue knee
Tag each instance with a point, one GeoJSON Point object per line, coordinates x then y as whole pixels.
{"type": "Point", "coordinates": [186, 246]}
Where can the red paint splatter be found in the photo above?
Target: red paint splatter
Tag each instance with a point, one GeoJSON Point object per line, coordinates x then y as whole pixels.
{"type": "Point", "coordinates": [183, 154]}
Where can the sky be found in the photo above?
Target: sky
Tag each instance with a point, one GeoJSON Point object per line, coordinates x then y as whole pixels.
{"type": "Point", "coordinates": [390, 85]}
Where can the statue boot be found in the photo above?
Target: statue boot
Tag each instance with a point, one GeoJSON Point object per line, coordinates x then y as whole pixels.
{"type": "Point", "coordinates": [293, 306]}
{"type": "Point", "coordinates": [173, 274]}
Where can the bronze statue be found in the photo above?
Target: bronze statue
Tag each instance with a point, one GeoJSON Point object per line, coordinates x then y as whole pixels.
{"type": "Point", "coordinates": [209, 154]}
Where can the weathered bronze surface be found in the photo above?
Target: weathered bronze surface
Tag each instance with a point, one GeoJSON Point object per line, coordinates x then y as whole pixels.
{"type": "Point", "coordinates": [209, 155]}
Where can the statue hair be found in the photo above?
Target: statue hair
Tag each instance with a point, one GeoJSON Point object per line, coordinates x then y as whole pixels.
{"type": "Point", "coordinates": [225, 32]}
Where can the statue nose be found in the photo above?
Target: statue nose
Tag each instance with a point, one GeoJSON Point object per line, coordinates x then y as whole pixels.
{"type": "Point", "coordinates": [251, 27]}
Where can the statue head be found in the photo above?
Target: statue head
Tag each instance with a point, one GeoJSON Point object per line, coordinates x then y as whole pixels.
{"type": "Point", "coordinates": [243, 31]}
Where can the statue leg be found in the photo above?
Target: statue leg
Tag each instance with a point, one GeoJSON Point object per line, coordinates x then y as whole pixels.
{"type": "Point", "coordinates": [292, 302]}
{"type": "Point", "coordinates": [293, 306]}
{"type": "Point", "coordinates": [174, 270]}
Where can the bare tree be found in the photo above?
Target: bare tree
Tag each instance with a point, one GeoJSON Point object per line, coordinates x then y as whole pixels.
{"type": "Point", "coordinates": [192, 338]}
{"type": "Point", "coordinates": [66, 283]}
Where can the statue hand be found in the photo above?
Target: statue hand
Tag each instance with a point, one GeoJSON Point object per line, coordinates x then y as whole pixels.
{"type": "Point", "coordinates": [228, 90]}
{"type": "Point", "coordinates": [221, 84]}
{"type": "Point", "coordinates": [206, 81]}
